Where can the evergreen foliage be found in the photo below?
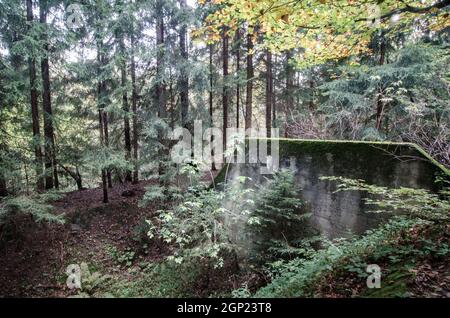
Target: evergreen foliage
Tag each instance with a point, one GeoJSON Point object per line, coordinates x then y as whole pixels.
{"type": "Point", "coordinates": [282, 220]}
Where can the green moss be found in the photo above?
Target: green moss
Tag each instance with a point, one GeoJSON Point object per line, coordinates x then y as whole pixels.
{"type": "Point", "coordinates": [368, 151]}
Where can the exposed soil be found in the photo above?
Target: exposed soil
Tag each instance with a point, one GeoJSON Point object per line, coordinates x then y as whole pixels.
{"type": "Point", "coordinates": [34, 263]}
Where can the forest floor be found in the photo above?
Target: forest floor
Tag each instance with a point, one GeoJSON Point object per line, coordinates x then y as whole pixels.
{"type": "Point", "coordinates": [418, 279]}
{"type": "Point", "coordinates": [108, 237]}
{"type": "Point", "coordinates": [35, 263]}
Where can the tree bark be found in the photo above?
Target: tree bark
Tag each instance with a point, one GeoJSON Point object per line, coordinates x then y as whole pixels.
{"type": "Point", "coordinates": [78, 179]}
{"type": "Point", "coordinates": [3, 190]}
{"type": "Point", "coordinates": [379, 102]}
{"type": "Point", "coordinates": [106, 138]}
{"type": "Point", "coordinates": [51, 175]}
{"type": "Point", "coordinates": [311, 94]}
{"type": "Point", "coordinates": [101, 116]}
{"type": "Point", "coordinates": [250, 74]}
{"type": "Point", "coordinates": [274, 105]}
{"type": "Point", "coordinates": [75, 175]}
{"type": "Point", "coordinates": [289, 91]}
{"type": "Point", "coordinates": [104, 172]}
{"type": "Point", "coordinates": [134, 98]}
{"type": "Point", "coordinates": [211, 49]}
{"type": "Point", "coordinates": [34, 108]}
{"type": "Point", "coordinates": [184, 77]}
{"type": "Point", "coordinates": [269, 92]}
{"type": "Point", "coordinates": [125, 106]}
{"type": "Point", "coordinates": [225, 88]}
{"type": "Point", "coordinates": [161, 87]}
{"type": "Point", "coordinates": [238, 70]}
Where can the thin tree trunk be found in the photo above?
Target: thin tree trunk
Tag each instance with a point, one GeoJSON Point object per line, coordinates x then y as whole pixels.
{"type": "Point", "coordinates": [249, 97]}
{"type": "Point", "coordinates": [75, 175]}
{"type": "Point", "coordinates": [171, 106]}
{"type": "Point", "coordinates": [34, 109]}
{"type": "Point", "coordinates": [184, 78]}
{"type": "Point", "coordinates": [104, 173]}
{"type": "Point", "coordinates": [79, 181]}
{"type": "Point", "coordinates": [274, 105]}
{"type": "Point", "coordinates": [3, 190]}
{"type": "Point", "coordinates": [379, 102]}
{"type": "Point", "coordinates": [101, 115]}
{"type": "Point", "coordinates": [269, 92]}
{"type": "Point", "coordinates": [311, 96]}
{"type": "Point", "coordinates": [125, 106]}
{"type": "Point", "coordinates": [238, 69]}
{"type": "Point", "coordinates": [134, 109]}
{"type": "Point", "coordinates": [50, 156]}
{"type": "Point", "coordinates": [289, 91]}
{"type": "Point", "coordinates": [161, 87]}
{"type": "Point", "coordinates": [106, 140]}
{"type": "Point", "coordinates": [225, 88]}
{"type": "Point", "coordinates": [211, 48]}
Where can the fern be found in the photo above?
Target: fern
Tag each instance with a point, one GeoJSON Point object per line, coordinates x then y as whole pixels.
{"type": "Point", "coordinates": [37, 206]}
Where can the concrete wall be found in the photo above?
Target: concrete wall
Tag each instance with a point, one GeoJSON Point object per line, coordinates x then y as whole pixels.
{"type": "Point", "coordinates": [338, 214]}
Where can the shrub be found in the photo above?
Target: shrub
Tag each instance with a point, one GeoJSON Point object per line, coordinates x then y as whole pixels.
{"type": "Point", "coordinates": [419, 209]}
{"type": "Point", "coordinates": [37, 206]}
{"type": "Point", "coordinates": [204, 223]}
{"type": "Point", "coordinates": [282, 218]}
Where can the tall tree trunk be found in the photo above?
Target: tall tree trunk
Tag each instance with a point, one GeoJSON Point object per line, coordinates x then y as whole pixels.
{"type": "Point", "coordinates": [269, 92]}
{"type": "Point", "coordinates": [238, 70]}
{"type": "Point", "coordinates": [211, 49]}
{"type": "Point", "coordinates": [78, 179]}
{"type": "Point", "coordinates": [3, 190]}
{"type": "Point", "coordinates": [125, 106]}
{"type": "Point", "coordinates": [101, 115]}
{"type": "Point", "coordinates": [311, 94]}
{"type": "Point", "coordinates": [274, 105]}
{"type": "Point", "coordinates": [184, 77]}
{"type": "Point", "coordinates": [34, 108]}
{"type": "Point", "coordinates": [225, 87]}
{"type": "Point", "coordinates": [106, 138]}
{"type": "Point", "coordinates": [103, 61]}
{"type": "Point", "coordinates": [104, 173]}
{"type": "Point", "coordinates": [171, 104]}
{"type": "Point", "coordinates": [51, 175]}
{"type": "Point", "coordinates": [249, 97]}
{"type": "Point", "coordinates": [134, 98]}
{"type": "Point", "coordinates": [289, 90]}
{"type": "Point", "coordinates": [101, 122]}
{"type": "Point", "coordinates": [379, 102]}
{"type": "Point", "coordinates": [161, 87]}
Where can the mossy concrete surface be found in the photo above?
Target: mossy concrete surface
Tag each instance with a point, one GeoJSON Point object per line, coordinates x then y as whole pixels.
{"type": "Point", "coordinates": [339, 214]}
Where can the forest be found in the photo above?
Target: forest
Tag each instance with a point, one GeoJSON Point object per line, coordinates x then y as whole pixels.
{"type": "Point", "coordinates": [225, 148]}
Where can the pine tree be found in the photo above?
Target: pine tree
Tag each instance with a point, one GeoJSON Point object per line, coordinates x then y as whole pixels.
{"type": "Point", "coordinates": [281, 216]}
{"type": "Point", "coordinates": [225, 89]}
{"type": "Point", "coordinates": [51, 171]}
{"type": "Point", "coordinates": [34, 105]}
{"type": "Point", "coordinates": [250, 75]}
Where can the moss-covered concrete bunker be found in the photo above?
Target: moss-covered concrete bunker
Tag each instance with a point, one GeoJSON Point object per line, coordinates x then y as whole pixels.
{"type": "Point", "coordinates": [381, 163]}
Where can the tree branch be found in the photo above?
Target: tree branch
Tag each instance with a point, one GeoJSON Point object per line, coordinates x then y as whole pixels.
{"type": "Point", "coordinates": [438, 5]}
